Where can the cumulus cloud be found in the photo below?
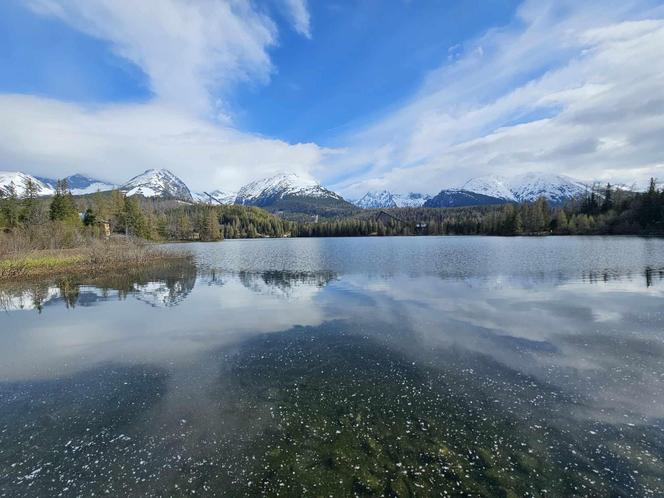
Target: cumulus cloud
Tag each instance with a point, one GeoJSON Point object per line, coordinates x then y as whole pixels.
{"type": "Point", "coordinates": [115, 142]}
{"type": "Point", "coordinates": [566, 88]}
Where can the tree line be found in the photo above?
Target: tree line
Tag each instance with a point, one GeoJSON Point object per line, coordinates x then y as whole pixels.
{"type": "Point", "coordinates": [150, 219]}
{"type": "Point", "coordinates": [605, 210]}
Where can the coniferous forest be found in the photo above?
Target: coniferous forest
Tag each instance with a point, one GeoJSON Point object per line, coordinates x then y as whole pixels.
{"type": "Point", "coordinates": [602, 211]}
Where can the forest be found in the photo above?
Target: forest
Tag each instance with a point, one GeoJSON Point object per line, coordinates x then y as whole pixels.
{"type": "Point", "coordinates": [604, 210]}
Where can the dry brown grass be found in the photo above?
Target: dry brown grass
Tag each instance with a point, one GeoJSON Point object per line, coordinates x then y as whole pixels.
{"type": "Point", "coordinates": [26, 255]}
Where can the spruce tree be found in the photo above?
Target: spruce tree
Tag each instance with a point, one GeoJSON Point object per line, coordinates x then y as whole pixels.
{"type": "Point", "coordinates": [63, 206]}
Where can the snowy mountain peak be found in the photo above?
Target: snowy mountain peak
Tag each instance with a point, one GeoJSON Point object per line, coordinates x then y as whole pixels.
{"type": "Point", "coordinates": [17, 181]}
{"type": "Point", "coordinates": [266, 190]}
{"type": "Point", "coordinates": [376, 200]}
{"type": "Point", "coordinates": [158, 183]}
{"type": "Point", "coordinates": [492, 186]}
{"type": "Point", "coordinates": [555, 188]}
{"type": "Point", "coordinates": [527, 187]}
{"type": "Point", "coordinates": [386, 199]}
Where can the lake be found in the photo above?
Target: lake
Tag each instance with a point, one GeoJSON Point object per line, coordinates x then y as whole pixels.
{"type": "Point", "coordinates": [411, 366]}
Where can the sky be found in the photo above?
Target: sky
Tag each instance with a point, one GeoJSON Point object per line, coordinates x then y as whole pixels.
{"type": "Point", "coordinates": [405, 95]}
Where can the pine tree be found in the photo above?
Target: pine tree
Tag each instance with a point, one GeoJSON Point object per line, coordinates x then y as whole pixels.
{"type": "Point", "coordinates": [209, 225]}
{"type": "Point", "coordinates": [650, 210]}
{"type": "Point", "coordinates": [63, 207]}
{"type": "Point", "coordinates": [10, 207]}
{"type": "Point", "coordinates": [607, 204]}
{"type": "Point", "coordinates": [30, 207]}
{"type": "Point", "coordinates": [89, 218]}
{"type": "Point", "coordinates": [135, 221]}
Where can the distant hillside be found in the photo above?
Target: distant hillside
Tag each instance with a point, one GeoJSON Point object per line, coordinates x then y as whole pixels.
{"type": "Point", "coordinates": [81, 184]}
{"type": "Point", "coordinates": [461, 198]}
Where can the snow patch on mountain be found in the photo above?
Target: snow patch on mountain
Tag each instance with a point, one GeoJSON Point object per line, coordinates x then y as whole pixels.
{"type": "Point", "coordinates": [261, 192]}
{"type": "Point", "coordinates": [93, 188]}
{"type": "Point", "coordinates": [411, 199]}
{"type": "Point", "coordinates": [158, 183]}
{"type": "Point", "coordinates": [18, 180]}
{"type": "Point", "coordinates": [81, 185]}
{"type": "Point", "coordinates": [222, 196]}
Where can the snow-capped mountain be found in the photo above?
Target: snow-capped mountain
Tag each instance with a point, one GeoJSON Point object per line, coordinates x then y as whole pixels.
{"type": "Point", "coordinates": [17, 180]}
{"type": "Point", "coordinates": [222, 196]}
{"type": "Point", "coordinates": [376, 200]}
{"type": "Point", "coordinates": [527, 187]}
{"type": "Point", "coordinates": [386, 199]}
{"type": "Point", "coordinates": [158, 183]}
{"type": "Point", "coordinates": [268, 190]}
{"type": "Point", "coordinates": [81, 184]}
{"type": "Point", "coordinates": [554, 188]}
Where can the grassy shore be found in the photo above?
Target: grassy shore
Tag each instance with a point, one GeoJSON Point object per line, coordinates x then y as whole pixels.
{"type": "Point", "coordinates": [96, 256]}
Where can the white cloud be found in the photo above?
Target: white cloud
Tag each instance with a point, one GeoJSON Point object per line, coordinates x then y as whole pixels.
{"type": "Point", "coordinates": [52, 138]}
{"type": "Point", "coordinates": [567, 88]}
{"type": "Point", "coordinates": [193, 53]}
{"type": "Point", "coordinates": [188, 49]}
{"type": "Point", "coordinates": [299, 13]}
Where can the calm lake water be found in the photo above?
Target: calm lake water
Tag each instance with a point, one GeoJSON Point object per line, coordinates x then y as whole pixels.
{"type": "Point", "coordinates": [343, 367]}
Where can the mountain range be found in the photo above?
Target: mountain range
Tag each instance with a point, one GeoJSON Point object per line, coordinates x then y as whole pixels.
{"type": "Point", "coordinates": [387, 199]}
{"type": "Point", "coordinates": [485, 190]}
{"type": "Point", "coordinates": [288, 192]}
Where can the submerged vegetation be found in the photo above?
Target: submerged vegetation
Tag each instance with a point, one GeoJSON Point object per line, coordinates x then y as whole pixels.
{"type": "Point", "coordinates": [320, 411]}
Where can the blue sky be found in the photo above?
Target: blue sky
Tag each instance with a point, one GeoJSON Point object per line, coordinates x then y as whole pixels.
{"type": "Point", "coordinates": [405, 95]}
{"type": "Point", "coordinates": [365, 57]}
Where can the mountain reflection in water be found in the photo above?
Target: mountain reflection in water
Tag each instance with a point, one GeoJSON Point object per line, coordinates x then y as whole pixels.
{"type": "Point", "coordinates": [327, 380]}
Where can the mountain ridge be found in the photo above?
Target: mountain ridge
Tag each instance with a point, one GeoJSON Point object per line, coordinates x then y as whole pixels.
{"type": "Point", "coordinates": [286, 191]}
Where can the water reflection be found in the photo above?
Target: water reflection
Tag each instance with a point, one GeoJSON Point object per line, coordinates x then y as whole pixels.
{"type": "Point", "coordinates": [163, 286]}
{"type": "Point", "coordinates": [325, 382]}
